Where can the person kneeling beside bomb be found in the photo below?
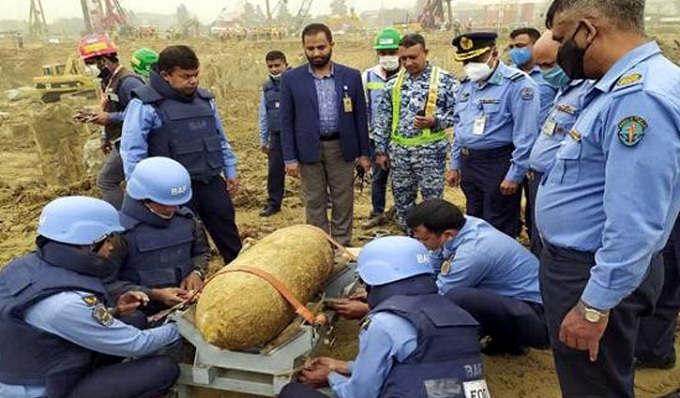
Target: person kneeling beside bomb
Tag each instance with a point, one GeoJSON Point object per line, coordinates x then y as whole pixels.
{"type": "Point", "coordinates": [167, 249]}
{"type": "Point", "coordinates": [413, 343]}
{"type": "Point", "coordinates": [57, 334]}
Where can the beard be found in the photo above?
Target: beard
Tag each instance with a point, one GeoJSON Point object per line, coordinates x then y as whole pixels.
{"type": "Point", "coordinates": [320, 61]}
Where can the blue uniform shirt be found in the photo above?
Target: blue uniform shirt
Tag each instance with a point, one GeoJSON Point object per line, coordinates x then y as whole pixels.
{"type": "Point", "coordinates": [68, 316]}
{"type": "Point", "coordinates": [141, 118]}
{"type": "Point", "coordinates": [509, 106]}
{"type": "Point", "coordinates": [262, 121]}
{"type": "Point", "coordinates": [615, 187]}
{"type": "Point", "coordinates": [388, 338]}
{"type": "Point", "coordinates": [547, 91]}
{"type": "Point", "coordinates": [560, 120]}
{"type": "Point", "coordinates": [329, 120]}
{"type": "Point", "coordinates": [482, 257]}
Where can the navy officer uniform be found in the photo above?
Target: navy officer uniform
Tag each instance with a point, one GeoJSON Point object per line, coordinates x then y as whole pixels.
{"type": "Point", "coordinates": [162, 250]}
{"type": "Point", "coordinates": [561, 118]}
{"type": "Point", "coordinates": [413, 343]}
{"type": "Point", "coordinates": [486, 273]}
{"type": "Point", "coordinates": [54, 322]}
{"type": "Point", "coordinates": [605, 210]}
{"type": "Point", "coordinates": [161, 121]}
{"type": "Point", "coordinates": [496, 121]}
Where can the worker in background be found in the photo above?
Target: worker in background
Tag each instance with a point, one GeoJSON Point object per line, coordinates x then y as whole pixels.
{"type": "Point", "coordinates": [521, 45]}
{"type": "Point", "coordinates": [411, 128]}
{"type": "Point", "coordinates": [606, 208]}
{"type": "Point", "coordinates": [270, 131]}
{"type": "Point", "coordinates": [142, 60]}
{"type": "Point", "coordinates": [486, 273]}
{"type": "Point", "coordinates": [167, 251]}
{"type": "Point", "coordinates": [496, 123]}
{"type": "Point", "coordinates": [101, 57]}
{"type": "Point", "coordinates": [375, 80]}
{"type": "Point", "coordinates": [173, 117]}
{"type": "Point", "coordinates": [55, 321]}
{"type": "Point", "coordinates": [324, 132]}
{"type": "Point", "coordinates": [414, 343]}
{"type": "Point", "coordinates": [560, 120]}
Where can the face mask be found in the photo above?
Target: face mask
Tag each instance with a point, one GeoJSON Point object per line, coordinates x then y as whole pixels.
{"type": "Point", "coordinates": [556, 77]}
{"type": "Point", "coordinates": [92, 70]}
{"type": "Point", "coordinates": [520, 56]}
{"type": "Point", "coordinates": [570, 57]}
{"type": "Point", "coordinates": [478, 71]}
{"type": "Point", "coordinates": [389, 62]}
{"type": "Point", "coordinates": [275, 77]}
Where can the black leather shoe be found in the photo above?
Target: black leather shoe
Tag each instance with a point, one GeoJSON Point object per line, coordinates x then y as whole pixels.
{"type": "Point", "coordinates": [269, 211]}
{"type": "Point", "coordinates": [655, 363]}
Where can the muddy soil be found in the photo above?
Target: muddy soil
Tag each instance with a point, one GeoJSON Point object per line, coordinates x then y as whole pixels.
{"type": "Point", "coordinates": [234, 72]}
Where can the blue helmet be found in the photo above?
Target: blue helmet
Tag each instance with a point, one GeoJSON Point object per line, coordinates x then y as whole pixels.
{"type": "Point", "coordinates": [393, 258]}
{"type": "Point", "coordinates": [161, 180]}
{"type": "Point", "coordinates": [78, 220]}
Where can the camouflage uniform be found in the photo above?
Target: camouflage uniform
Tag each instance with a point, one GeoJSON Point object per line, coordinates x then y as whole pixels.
{"type": "Point", "coordinates": [415, 167]}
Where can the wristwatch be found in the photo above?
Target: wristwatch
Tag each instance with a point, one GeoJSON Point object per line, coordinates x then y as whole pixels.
{"type": "Point", "coordinates": [590, 314]}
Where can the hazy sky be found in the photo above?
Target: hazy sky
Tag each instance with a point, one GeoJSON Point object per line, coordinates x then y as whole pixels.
{"type": "Point", "coordinates": [206, 10]}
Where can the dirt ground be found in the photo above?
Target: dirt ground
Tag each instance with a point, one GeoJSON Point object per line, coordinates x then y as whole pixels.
{"type": "Point", "coordinates": [234, 72]}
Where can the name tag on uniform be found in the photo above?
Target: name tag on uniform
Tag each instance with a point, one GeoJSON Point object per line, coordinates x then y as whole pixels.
{"type": "Point", "coordinates": [277, 105]}
{"type": "Point", "coordinates": [476, 389]}
{"type": "Point", "coordinates": [549, 127]}
{"type": "Point", "coordinates": [347, 104]}
{"type": "Point", "coordinates": [480, 125]}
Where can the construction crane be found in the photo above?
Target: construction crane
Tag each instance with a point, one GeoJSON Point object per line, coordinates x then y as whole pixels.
{"type": "Point", "coordinates": [433, 11]}
{"type": "Point", "coordinates": [102, 16]}
{"type": "Point", "coordinates": [36, 19]}
{"type": "Point", "coordinates": [272, 11]}
{"type": "Point", "coordinates": [302, 15]}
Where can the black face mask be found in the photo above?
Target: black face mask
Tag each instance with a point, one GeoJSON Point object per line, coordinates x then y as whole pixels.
{"type": "Point", "coordinates": [570, 57]}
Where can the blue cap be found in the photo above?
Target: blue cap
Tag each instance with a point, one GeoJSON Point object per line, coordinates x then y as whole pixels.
{"type": "Point", "coordinates": [472, 45]}
{"type": "Point", "coordinates": [161, 180]}
{"type": "Point", "coordinates": [391, 259]}
{"type": "Point", "coordinates": [78, 220]}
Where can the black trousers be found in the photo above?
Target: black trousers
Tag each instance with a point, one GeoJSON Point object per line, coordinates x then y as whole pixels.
{"type": "Point", "coordinates": [509, 322]}
{"type": "Point", "coordinates": [482, 173]}
{"type": "Point", "coordinates": [533, 181]}
{"type": "Point", "coordinates": [212, 203]}
{"type": "Point", "coordinates": [298, 390]}
{"type": "Point", "coordinates": [656, 337]}
{"type": "Point", "coordinates": [276, 171]}
{"type": "Point", "coordinates": [148, 377]}
{"type": "Point", "coordinates": [563, 275]}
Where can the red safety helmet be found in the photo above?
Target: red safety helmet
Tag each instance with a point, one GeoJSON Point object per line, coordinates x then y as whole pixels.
{"type": "Point", "coordinates": [96, 45]}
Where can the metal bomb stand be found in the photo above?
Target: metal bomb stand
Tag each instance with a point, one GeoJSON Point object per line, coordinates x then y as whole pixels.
{"type": "Point", "coordinates": [261, 371]}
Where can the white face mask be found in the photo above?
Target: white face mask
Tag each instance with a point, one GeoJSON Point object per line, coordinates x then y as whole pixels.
{"type": "Point", "coordinates": [92, 70]}
{"type": "Point", "coordinates": [389, 62]}
{"type": "Point", "coordinates": [478, 71]}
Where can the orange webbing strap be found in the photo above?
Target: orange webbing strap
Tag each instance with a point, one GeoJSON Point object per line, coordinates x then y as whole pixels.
{"type": "Point", "coordinates": [339, 246]}
{"type": "Point", "coordinates": [280, 287]}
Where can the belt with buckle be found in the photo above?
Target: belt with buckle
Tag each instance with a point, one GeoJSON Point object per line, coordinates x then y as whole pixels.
{"type": "Point", "coordinates": [493, 152]}
{"type": "Point", "coordinates": [329, 137]}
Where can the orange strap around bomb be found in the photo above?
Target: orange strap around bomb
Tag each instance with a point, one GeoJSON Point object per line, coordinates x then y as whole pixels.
{"type": "Point", "coordinates": [280, 287]}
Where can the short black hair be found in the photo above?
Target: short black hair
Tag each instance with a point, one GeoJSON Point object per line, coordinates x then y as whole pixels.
{"type": "Point", "coordinates": [412, 39]}
{"type": "Point", "coordinates": [437, 215]}
{"type": "Point", "coordinates": [625, 14]}
{"type": "Point", "coordinates": [275, 55]}
{"type": "Point", "coordinates": [315, 28]}
{"type": "Point", "coordinates": [180, 56]}
{"type": "Point", "coordinates": [533, 34]}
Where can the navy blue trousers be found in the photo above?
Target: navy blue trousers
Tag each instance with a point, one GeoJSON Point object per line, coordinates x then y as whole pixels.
{"type": "Point", "coordinates": [378, 186]}
{"type": "Point", "coordinates": [148, 377]}
{"type": "Point", "coordinates": [533, 182]}
{"type": "Point", "coordinates": [656, 337]}
{"type": "Point", "coordinates": [276, 174]}
{"type": "Point", "coordinates": [564, 274]}
{"type": "Point", "coordinates": [299, 390]}
{"type": "Point", "coordinates": [482, 173]}
{"type": "Point", "coordinates": [509, 322]}
{"type": "Point", "coordinates": [212, 203]}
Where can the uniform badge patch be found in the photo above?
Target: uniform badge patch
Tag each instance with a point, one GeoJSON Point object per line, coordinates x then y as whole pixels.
{"type": "Point", "coordinates": [446, 267]}
{"type": "Point", "coordinates": [575, 135]}
{"type": "Point", "coordinates": [629, 79]}
{"type": "Point", "coordinates": [632, 130]}
{"type": "Point", "coordinates": [90, 300]}
{"type": "Point", "coordinates": [102, 315]}
{"type": "Point", "coordinates": [527, 93]}
{"type": "Point", "coordinates": [365, 323]}
{"type": "Point", "coordinates": [466, 43]}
